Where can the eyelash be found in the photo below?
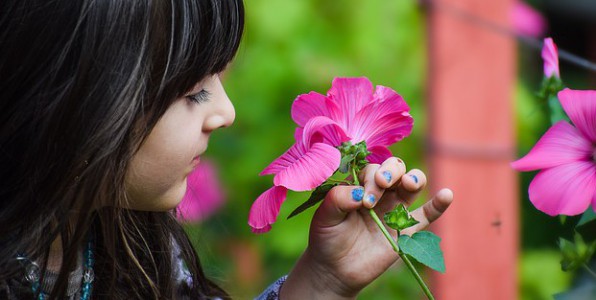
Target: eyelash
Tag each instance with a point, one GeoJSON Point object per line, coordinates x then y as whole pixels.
{"type": "Point", "coordinates": [200, 97]}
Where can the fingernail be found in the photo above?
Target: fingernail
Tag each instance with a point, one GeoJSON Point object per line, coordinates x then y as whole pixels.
{"type": "Point", "coordinates": [387, 176]}
{"type": "Point", "coordinates": [358, 194]}
{"type": "Point", "coordinates": [370, 198]}
{"type": "Point", "coordinates": [414, 177]}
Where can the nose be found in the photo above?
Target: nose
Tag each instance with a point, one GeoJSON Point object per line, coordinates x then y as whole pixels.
{"type": "Point", "coordinates": [223, 114]}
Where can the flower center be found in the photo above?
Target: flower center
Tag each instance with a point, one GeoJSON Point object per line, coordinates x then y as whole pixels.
{"type": "Point", "coordinates": [594, 154]}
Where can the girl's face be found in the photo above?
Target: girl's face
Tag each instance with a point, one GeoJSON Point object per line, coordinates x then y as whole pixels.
{"type": "Point", "coordinates": [156, 178]}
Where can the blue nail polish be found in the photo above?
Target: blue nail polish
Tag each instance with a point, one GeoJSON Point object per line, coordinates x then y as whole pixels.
{"type": "Point", "coordinates": [371, 198]}
{"type": "Point", "coordinates": [414, 177]}
{"type": "Point", "coordinates": [387, 176]}
{"type": "Point", "coordinates": [358, 194]}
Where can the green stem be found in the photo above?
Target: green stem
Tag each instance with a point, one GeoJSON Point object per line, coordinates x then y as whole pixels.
{"type": "Point", "coordinates": [403, 256]}
{"type": "Point", "coordinates": [355, 177]}
{"type": "Point", "coordinates": [589, 270]}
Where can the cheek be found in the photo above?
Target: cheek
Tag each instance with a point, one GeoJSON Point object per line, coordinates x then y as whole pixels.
{"type": "Point", "coordinates": [156, 179]}
{"type": "Point", "coordinates": [153, 188]}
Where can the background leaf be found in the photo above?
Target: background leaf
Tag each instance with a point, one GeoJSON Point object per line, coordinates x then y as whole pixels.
{"type": "Point", "coordinates": [588, 216]}
{"type": "Point", "coordinates": [424, 247]}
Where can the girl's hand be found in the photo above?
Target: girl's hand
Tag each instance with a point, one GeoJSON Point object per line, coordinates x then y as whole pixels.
{"type": "Point", "coordinates": [346, 250]}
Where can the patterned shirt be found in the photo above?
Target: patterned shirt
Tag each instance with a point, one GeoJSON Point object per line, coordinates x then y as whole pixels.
{"type": "Point", "coordinates": [19, 288]}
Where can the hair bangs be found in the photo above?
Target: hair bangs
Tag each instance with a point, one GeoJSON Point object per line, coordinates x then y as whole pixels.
{"type": "Point", "coordinates": [203, 37]}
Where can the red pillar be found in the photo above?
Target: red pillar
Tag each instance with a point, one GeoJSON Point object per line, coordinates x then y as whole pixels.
{"type": "Point", "coordinates": [472, 141]}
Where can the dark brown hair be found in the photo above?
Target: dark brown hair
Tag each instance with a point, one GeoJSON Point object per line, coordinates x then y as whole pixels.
{"type": "Point", "coordinates": [82, 83]}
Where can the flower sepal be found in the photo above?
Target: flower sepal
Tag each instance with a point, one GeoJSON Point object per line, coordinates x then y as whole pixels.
{"type": "Point", "coordinates": [549, 89]}
{"type": "Point", "coordinates": [399, 218]}
{"type": "Point", "coordinates": [353, 159]}
{"type": "Point", "coordinates": [353, 156]}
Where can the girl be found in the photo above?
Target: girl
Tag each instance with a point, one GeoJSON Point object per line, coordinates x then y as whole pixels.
{"type": "Point", "coordinates": [105, 108]}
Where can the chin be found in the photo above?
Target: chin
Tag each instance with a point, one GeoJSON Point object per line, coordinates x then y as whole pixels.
{"type": "Point", "coordinates": [173, 198]}
{"type": "Point", "coordinates": [160, 203]}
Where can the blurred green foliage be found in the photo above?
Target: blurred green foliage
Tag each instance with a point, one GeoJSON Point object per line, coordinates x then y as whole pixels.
{"type": "Point", "coordinates": [292, 47]}
{"type": "Point", "coordinates": [541, 274]}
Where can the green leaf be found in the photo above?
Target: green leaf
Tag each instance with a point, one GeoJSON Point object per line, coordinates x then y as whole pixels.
{"type": "Point", "coordinates": [399, 218]}
{"type": "Point", "coordinates": [424, 247]}
{"type": "Point", "coordinates": [588, 216]}
{"type": "Point", "coordinates": [317, 195]}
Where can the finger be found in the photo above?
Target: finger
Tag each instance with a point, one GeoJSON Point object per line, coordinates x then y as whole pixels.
{"type": "Point", "coordinates": [390, 172]}
{"type": "Point", "coordinates": [411, 184]}
{"type": "Point", "coordinates": [406, 191]}
{"type": "Point", "coordinates": [340, 201]}
{"type": "Point", "coordinates": [372, 192]}
{"type": "Point", "coordinates": [430, 211]}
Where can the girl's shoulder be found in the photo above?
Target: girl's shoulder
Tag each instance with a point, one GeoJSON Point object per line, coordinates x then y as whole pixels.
{"type": "Point", "coordinates": [272, 292]}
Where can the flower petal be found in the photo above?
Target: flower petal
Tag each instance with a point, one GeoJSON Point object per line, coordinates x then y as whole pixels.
{"type": "Point", "coordinates": [379, 154]}
{"type": "Point", "coordinates": [265, 209]}
{"type": "Point", "coordinates": [564, 190]}
{"type": "Point", "coordinates": [310, 169]}
{"type": "Point", "coordinates": [561, 144]}
{"type": "Point", "coordinates": [288, 158]}
{"type": "Point", "coordinates": [203, 196]}
{"type": "Point", "coordinates": [550, 55]}
{"type": "Point", "coordinates": [380, 117]}
{"type": "Point", "coordinates": [594, 202]}
{"type": "Point", "coordinates": [392, 128]}
{"type": "Point", "coordinates": [351, 95]}
{"type": "Point", "coordinates": [381, 124]}
{"type": "Point", "coordinates": [383, 93]}
{"type": "Point", "coordinates": [580, 106]}
{"type": "Point", "coordinates": [323, 129]}
{"type": "Point", "coordinates": [298, 133]}
{"type": "Point", "coordinates": [307, 106]}
{"type": "Point", "coordinates": [526, 20]}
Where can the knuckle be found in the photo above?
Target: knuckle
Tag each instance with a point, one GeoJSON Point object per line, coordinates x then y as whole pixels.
{"type": "Point", "coordinates": [334, 193]}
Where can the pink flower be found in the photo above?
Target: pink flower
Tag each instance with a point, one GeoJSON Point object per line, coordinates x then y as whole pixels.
{"type": "Point", "coordinates": [527, 21]}
{"type": "Point", "coordinates": [265, 209]}
{"type": "Point", "coordinates": [566, 156]}
{"type": "Point", "coordinates": [351, 111]}
{"type": "Point", "coordinates": [203, 196]}
{"type": "Point", "coordinates": [550, 55]}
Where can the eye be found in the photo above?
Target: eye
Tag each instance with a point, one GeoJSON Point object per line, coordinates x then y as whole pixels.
{"type": "Point", "coordinates": [200, 97]}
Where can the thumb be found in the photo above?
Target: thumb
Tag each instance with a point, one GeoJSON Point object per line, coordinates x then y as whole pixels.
{"type": "Point", "coordinates": [340, 201]}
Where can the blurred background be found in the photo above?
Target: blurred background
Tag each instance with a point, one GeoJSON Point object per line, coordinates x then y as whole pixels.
{"type": "Point", "coordinates": [292, 47]}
